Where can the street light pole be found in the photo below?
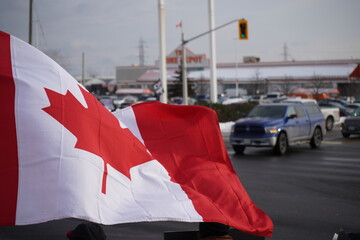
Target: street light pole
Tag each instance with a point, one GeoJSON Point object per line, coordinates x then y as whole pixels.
{"type": "Point", "coordinates": [184, 78]}
{"type": "Point", "coordinates": [162, 47]}
{"type": "Point", "coordinates": [30, 21]}
{"type": "Point", "coordinates": [184, 72]}
{"type": "Point", "coordinates": [213, 70]}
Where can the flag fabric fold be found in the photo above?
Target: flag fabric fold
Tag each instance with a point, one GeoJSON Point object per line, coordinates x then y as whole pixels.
{"type": "Point", "coordinates": [65, 155]}
{"type": "Point", "coordinates": [187, 141]}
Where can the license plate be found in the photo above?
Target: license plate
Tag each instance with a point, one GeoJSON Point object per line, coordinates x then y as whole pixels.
{"type": "Point", "coordinates": [247, 141]}
{"type": "Point", "coordinates": [351, 128]}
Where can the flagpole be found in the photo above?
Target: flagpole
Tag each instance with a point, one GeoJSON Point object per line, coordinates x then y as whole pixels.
{"type": "Point", "coordinates": [162, 47]}
{"type": "Point", "coordinates": [213, 70]}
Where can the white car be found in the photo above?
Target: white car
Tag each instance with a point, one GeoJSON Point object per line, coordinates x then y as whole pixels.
{"type": "Point", "coordinates": [234, 100]}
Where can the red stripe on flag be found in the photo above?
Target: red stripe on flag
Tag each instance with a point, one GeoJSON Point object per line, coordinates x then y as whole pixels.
{"type": "Point", "coordinates": [187, 141]}
{"type": "Point", "coordinates": [8, 141]}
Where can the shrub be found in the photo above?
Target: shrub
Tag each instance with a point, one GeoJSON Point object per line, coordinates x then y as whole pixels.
{"type": "Point", "coordinates": [231, 112]}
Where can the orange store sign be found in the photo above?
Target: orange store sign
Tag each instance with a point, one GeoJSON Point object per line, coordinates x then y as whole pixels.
{"type": "Point", "coordinates": [192, 59]}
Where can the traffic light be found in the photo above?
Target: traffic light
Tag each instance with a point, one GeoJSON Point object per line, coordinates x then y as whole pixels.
{"type": "Point", "coordinates": [243, 29]}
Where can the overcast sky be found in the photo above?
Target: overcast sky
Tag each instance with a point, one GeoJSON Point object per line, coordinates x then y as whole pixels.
{"type": "Point", "coordinates": [109, 31]}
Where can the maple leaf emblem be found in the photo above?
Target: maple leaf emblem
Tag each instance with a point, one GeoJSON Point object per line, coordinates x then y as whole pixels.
{"type": "Point", "coordinates": [97, 131]}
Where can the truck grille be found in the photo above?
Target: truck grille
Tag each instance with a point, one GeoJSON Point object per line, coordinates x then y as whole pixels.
{"type": "Point", "coordinates": [353, 122]}
{"type": "Point", "coordinates": [249, 130]}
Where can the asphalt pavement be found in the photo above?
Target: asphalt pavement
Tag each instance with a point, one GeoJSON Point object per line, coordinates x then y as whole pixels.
{"type": "Point", "coordinates": [308, 193]}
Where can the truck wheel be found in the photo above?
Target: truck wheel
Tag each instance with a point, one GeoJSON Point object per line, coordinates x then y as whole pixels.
{"type": "Point", "coordinates": [238, 149]}
{"type": "Point", "coordinates": [329, 123]}
{"type": "Point", "coordinates": [281, 144]}
{"type": "Point", "coordinates": [346, 135]}
{"type": "Point", "coordinates": [316, 138]}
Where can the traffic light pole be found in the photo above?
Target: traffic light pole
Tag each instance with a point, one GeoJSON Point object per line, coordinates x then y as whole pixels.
{"type": "Point", "coordinates": [212, 30]}
{"type": "Point", "coordinates": [183, 43]}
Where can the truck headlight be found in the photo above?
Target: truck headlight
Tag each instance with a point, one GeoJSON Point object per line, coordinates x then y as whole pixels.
{"type": "Point", "coordinates": [271, 130]}
{"type": "Point", "coordinates": [342, 120]}
{"type": "Point", "coordinates": [232, 130]}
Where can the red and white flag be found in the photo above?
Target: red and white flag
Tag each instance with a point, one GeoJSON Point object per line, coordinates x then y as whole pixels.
{"type": "Point", "coordinates": [64, 155]}
{"type": "Point", "coordinates": [179, 25]}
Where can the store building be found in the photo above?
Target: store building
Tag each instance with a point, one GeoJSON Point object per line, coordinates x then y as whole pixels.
{"type": "Point", "coordinates": [251, 75]}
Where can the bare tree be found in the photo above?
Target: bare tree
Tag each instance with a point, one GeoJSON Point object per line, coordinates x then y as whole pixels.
{"type": "Point", "coordinates": [257, 83]}
{"type": "Point", "coordinates": [59, 58]}
{"type": "Point", "coordinates": [286, 85]}
{"type": "Point", "coordinates": [317, 83]}
{"type": "Point", "coordinates": [202, 86]}
{"type": "Point", "coordinates": [93, 74]}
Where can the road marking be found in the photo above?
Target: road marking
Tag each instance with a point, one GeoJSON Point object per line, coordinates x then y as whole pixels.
{"type": "Point", "coordinates": [341, 159]}
{"type": "Point", "coordinates": [331, 142]}
{"type": "Point", "coordinates": [349, 142]}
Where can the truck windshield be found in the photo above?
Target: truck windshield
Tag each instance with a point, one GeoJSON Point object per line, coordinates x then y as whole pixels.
{"type": "Point", "coordinates": [268, 111]}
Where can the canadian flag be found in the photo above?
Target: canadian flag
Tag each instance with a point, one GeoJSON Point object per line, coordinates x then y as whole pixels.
{"type": "Point", "coordinates": [64, 155]}
{"type": "Point", "coordinates": [179, 25]}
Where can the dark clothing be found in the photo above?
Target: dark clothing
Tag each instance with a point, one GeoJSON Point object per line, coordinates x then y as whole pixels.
{"type": "Point", "coordinates": [225, 237]}
{"type": "Point", "coordinates": [87, 231]}
{"type": "Point", "coordinates": [211, 230]}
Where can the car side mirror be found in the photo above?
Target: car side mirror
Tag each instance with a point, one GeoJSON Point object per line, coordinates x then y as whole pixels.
{"type": "Point", "coordinates": [292, 116]}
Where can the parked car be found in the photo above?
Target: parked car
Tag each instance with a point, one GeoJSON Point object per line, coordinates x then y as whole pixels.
{"type": "Point", "coordinates": [279, 125]}
{"type": "Point", "coordinates": [273, 97]}
{"type": "Point", "coordinates": [257, 98]}
{"type": "Point", "coordinates": [108, 102]}
{"type": "Point", "coordinates": [349, 99]}
{"type": "Point", "coordinates": [202, 98]}
{"type": "Point", "coordinates": [351, 124]}
{"type": "Point", "coordinates": [353, 105]}
{"type": "Point", "coordinates": [340, 101]}
{"type": "Point", "coordinates": [124, 101]}
{"type": "Point", "coordinates": [234, 101]}
{"type": "Point", "coordinates": [344, 111]}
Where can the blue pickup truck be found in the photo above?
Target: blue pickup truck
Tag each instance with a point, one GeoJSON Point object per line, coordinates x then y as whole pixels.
{"type": "Point", "coordinates": [279, 125]}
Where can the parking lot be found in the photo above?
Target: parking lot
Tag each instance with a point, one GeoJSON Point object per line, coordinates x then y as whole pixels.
{"type": "Point", "coordinates": [309, 193]}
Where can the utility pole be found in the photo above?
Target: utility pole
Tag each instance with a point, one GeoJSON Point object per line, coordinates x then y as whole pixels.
{"type": "Point", "coordinates": [30, 21]}
{"type": "Point", "coordinates": [141, 52]}
{"type": "Point", "coordinates": [162, 47]}
{"type": "Point", "coordinates": [83, 69]}
{"type": "Point", "coordinates": [286, 53]}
